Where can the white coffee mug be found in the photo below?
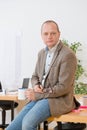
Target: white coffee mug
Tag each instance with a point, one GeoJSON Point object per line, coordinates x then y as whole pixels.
{"type": "Point", "coordinates": [21, 93]}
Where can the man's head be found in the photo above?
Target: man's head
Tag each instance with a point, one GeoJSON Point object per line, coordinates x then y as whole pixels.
{"type": "Point", "coordinates": [50, 33]}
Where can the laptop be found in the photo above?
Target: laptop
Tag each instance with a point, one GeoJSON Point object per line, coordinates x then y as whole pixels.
{"type": "Point", "coordinates": [0, 87]}
{"type": "Point", "coordinates": [25, 83]}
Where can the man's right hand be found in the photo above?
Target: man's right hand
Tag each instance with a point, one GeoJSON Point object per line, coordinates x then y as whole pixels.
{"type": "Point", "coordinates": [38, 88]}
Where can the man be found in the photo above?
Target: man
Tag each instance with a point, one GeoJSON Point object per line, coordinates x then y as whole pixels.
{"type": "Point", "coordinates": [52, 82]}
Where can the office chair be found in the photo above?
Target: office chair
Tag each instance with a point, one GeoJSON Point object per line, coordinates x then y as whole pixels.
{"type": "Point", "coordinates": [6, 105]}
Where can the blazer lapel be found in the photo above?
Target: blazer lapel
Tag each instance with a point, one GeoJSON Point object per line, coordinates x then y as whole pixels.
{"type": "Point", "coordinates": [43, 64]}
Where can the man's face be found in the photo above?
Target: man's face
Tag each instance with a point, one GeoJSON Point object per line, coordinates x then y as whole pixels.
{"type": "Point", "coordinates": [50, 34]}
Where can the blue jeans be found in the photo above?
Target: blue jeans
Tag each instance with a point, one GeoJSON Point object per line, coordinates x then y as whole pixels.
{"type": "Point", "coordinates": [31, 115]}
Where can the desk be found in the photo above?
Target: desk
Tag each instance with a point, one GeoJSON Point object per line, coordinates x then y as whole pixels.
{"type": "Point", "coordinates": [9, 97]}
{"type": "Point", "coordinates": [13, 98]}
{"type": "Point", "coordinates": [78, 116]}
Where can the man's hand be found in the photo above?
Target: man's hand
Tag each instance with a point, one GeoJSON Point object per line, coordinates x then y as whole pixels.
{"type": "Point", "coordinates": [38, 88]}
{"type": "Point", "coordinates": [29, 93]}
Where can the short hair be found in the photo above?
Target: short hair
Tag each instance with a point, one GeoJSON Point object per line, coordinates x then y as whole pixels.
{"type": "Point", "coordinates": [50, 21]}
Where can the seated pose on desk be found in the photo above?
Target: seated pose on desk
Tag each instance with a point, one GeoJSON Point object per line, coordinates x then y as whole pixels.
{"type": "Point", "coordinates": [52, 82]}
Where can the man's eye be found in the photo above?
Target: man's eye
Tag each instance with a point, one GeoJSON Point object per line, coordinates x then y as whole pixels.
{"type": "Point", "coordinates": [53, 33]}
{"type": "Point", "coordinates": [45, 34]}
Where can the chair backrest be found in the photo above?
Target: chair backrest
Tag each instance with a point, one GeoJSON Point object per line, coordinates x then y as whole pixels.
{"type": "Point", "coordinates": [0, 87]}
{"type": "Point", "coordinates": [25, 83]}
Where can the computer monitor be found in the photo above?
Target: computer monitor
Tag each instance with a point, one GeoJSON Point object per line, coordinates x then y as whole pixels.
{"type": "Point", "coordinates": [25, 83]}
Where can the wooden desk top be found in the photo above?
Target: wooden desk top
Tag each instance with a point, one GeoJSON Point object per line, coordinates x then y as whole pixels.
{"type": "Point", "coordinates": [9, 97]}
{"type": "Point", "coordinates": [79, 116]}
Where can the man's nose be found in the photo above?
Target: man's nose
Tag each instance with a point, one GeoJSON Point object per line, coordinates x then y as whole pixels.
{"type": "Point", "coordinates": [49, 35]}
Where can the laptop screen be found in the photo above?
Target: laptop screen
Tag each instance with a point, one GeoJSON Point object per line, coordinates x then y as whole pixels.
{"type": "Point", "coordinates": [25, 83]}
{"type": "Point", "coordinates": [0, 87]}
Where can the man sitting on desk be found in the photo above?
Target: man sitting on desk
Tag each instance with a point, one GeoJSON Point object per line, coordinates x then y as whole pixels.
{"type": "Point", "coordinates": [52, 82]}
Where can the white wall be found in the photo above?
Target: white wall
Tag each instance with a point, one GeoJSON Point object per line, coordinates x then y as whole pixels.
{"type": "Point", "coordinates": [20, 22]}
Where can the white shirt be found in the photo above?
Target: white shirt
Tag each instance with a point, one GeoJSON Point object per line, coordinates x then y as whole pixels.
{"type": "Point", "coordinates": [49, 58]}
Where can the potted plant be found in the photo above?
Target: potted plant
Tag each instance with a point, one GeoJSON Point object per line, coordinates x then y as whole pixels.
{"type": "Point", "coordinates": [80, 87]}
